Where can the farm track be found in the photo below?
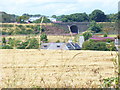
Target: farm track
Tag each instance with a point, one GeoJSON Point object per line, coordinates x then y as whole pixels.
{"type": "Point", "coordinates": [55, 68]}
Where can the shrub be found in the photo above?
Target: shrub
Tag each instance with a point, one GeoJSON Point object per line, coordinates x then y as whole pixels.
{"type": "Point", "coordinates": [7, 47]}
{"type": "Point", "coordinates": [20, 26]}
{"type": "Point", "coordinates": [91, 45]}
{"type": "Point", "coordinates": [87, 35]}
{"type": "Point", "coordinates": [108, 40]}
{"type": "Point", "coordinates": [29, 31]}
{"type": "Point", "coordinates": [105, 35]}
{"type": "Point", "coordinates": [13, 43]}
{"type": "Point", "coordinates": [28, 26]}
{"type": "Point", "coordinates": [29, 44]}
{"type": "Point", "coordinates": [58, 41]}
{"type": "Point", "coordinates": [118, 36]}
{"type": "Point", "coordinates": [43, 37]}
{"type": "Point", "coordinates": [111, 47]}
{"type": "Point", "coordinates": [4, 40]}
{"type": "Point", "coordinates": [4, 33]}
{"type": "Point", "coordinates": [7, 25]}
{"type": "Point", "coordinates": [95, 27]}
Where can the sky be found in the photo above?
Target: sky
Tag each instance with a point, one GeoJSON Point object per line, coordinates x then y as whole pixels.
{"type": "Point", "coordinates": [57, 7]}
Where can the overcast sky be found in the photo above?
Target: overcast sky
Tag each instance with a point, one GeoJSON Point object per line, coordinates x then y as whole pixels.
{"type": "Point", "coordinates": [57, 7]}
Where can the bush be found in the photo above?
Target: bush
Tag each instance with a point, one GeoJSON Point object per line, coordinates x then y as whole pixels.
{"type": "Point", "coordinates": [105, 35]}
{"type": "Point", "coordinates": [13, 43]}
{"type": "Point", "coordinates": [7, 25]}
{"type": "Point", "coordinates": [29, 31]}
{"type": "Point", "coordinates": [7, 47]}
{"type": "Point", "coordinates": [58, 41]}
{"type": "Point", "coordinates": [95, 27]}
{"type": "Point", "coordinates": [20, 26]}
{"type": "Point", "coordinates": [91, 45]}
{"type": "Point", "coordinates": [111, 47]}
{"type": "Point", "coordinates": [4, 33]}
{"type": "Point", "coordinates": [28, 26]}
{"type": "Point", "coordinates": [118, 36]}
{"type": "Point", "coordinates": [29, 44]}
{"type": "Point", "coordinates": [108, 40]}
{"type": "Point", "coordinates": [4, 40]}
{"type": "Point", "coordinates": [87, 35]}
{"type": "Point", "coordinates": [43, 37]}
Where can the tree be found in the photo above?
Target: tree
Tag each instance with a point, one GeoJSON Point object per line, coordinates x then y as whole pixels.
{"type": "Point", "coordinates": [118, 16]}
{"type": "Point", "coordinates": [77, 17]}
{"type": "Point", "coordinates": [98, 16]}
{"type": "Point", "coordinates": [22, 19]}
{"type": "Point", "coordinates": [4, 41]}
{"type": "Point", "coordinates": [111, 47]}
{"type": "Point", "coordinates": [45, 20]}
{"type": "Point", "coordinates": [7, 47]}
{"type": "Point", "coordinates": [43, 37]}
{"type": "Point", "coordinates": [30, 43]}
{"type": "Point", "coordinates": [7, 18]}
{"type": "Point", "coordinates": [92, 45]}
{"type": "Point", "coordinates": [54, 16]}
{"type": "Point", "coordinates": [95, 27]}
{"type": "Point", "coordinates": [105, 35]}
{"type": "Point", "coordinates": [13, 43]}
{"type": "Point", "coordinates": [111, 17]}
{"type": "Point", "coordinates": [87, 35]}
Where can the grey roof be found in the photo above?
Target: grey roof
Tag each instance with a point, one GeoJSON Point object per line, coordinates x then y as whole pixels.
{"type": "Point", "coordinates": [54, 46]}
{"type": "Point", "coordinates": [57, 46]}
{"type": "Point", "coordinates": [73, 46]}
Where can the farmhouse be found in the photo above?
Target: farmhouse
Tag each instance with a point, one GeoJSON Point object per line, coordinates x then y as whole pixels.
{"type": "Point", "coordinates": [31, 19]}
{"type": "Point", "coordinates": [60, 46]}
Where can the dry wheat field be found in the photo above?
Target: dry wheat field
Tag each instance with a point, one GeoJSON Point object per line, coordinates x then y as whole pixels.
{"type": "Point", "coordinates": [54, 68]}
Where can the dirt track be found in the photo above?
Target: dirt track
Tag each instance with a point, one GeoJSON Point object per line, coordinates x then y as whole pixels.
{"type": "Point", "coordinates": [55, 68]}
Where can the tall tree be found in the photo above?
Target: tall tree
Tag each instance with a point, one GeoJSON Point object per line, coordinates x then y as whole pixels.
{"type": "Point", "coordinates": [77, 17]}
{"type": "Point", "coordinates": [98, 16]}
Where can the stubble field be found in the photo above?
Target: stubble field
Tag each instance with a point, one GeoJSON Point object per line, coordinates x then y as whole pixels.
{"type": "Point", "coordinates": [54, 68]}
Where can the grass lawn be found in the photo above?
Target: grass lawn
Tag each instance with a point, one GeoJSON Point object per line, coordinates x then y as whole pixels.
{"type": "Point", "coordinates": [112, 35]}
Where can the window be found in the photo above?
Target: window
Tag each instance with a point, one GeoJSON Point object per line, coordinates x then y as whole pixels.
{"type": "Point", "coordinates": [58, 46]}
{"type": "Point", "coordinates": [45, 45]}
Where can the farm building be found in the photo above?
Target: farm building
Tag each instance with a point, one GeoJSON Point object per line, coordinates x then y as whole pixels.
{"type": "Point", "coordinates": [31, 19]}
{"type": "Point", "coordinates": [117, 44]}
{"type": "Point", "coordinates": [60, 46]}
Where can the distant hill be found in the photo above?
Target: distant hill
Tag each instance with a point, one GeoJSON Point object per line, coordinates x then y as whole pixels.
{"type": "Point", "coordinates": [7, 18]}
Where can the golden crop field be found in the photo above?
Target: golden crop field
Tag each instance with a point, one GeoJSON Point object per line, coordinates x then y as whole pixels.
{"type": "Point", "coordinates": [32, 68]}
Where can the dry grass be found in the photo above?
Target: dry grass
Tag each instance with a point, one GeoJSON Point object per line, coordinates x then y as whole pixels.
{"type": "Point", "coordinates": [55, 68]}
{"type": "Point", "coordinates": [51, 38]}
{"type": "Point", "coordinates": [26, 24]}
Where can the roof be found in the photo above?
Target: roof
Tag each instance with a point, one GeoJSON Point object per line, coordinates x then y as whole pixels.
{"type": "Point", "coordinates": [58, 46]}
{"type": "Point", "coordinates": [34, 18]}
{"type": "Point", "coordinates": [53, 46]}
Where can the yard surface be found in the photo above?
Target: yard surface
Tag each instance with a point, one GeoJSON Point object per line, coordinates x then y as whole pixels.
{"type": "Point", "coordinates": [55, 68]}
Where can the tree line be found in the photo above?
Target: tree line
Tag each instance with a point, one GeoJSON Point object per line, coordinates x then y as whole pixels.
{"type": "Point", "coordinates": [96, 15]}
{"type": "Point", "coordinates": [7, 18]}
